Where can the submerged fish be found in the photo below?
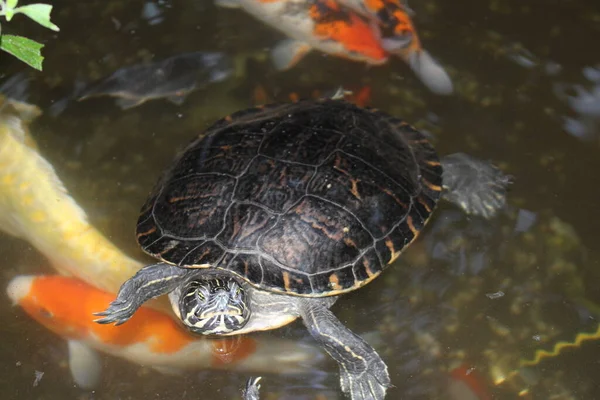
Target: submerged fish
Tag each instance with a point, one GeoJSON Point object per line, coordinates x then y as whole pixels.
{"type": "Point", "coordinates": [320, 24]}
{"type": "Point", "coordinates": [173, 79]}
{"type": "Point", "coordinates": [151, 338]}
{"type": "Point", "coordinates": [34, 205]}
{"type": "Point", "coordinates": [394, 18]}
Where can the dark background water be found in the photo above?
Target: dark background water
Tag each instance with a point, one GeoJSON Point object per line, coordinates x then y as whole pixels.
{"type": "Point", "coordinates": [525, 73]}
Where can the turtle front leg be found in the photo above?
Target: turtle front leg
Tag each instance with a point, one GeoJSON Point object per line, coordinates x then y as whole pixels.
{"type": "Point", "coordinates": [148, 283]}
{"type": "Point", "coordinates": [476, 186]}
{"type": "Point", "coordinates": [363, 374]}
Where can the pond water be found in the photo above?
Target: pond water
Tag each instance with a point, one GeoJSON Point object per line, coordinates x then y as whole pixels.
{"type": "Point", "coordinates": [467, 304]}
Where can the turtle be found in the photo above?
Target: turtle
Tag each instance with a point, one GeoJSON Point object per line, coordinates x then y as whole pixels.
{"type": "Point", "coordinates": [276, 211]}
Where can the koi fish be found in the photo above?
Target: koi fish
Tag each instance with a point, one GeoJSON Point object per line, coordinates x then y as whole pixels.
{"type": "Point", "coordinates": [35, 206]}
{"type": "Point", "coordinates": [320, 24]}
{"type": "Point", "coordinates": [65, 305]}
{"type": "Point", "coordinates": [173, 79]}
{"type": "Point", "coordinates": [394, 17]}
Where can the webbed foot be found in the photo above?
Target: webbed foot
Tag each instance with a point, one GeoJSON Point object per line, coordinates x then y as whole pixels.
{"type": "Point", "coordinates": [252, 389]}
{"type": "Point", "coordinates": [363, 374]}
{"type": "Point", "coordinates": [370, 384]}
{"type": "Point", "coordinates": [149, 282]}
{"type": "Point", "coordinates": [477, 186]}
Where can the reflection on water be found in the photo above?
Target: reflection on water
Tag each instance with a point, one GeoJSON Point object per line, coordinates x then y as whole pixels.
{"type": "Point", "coordinates": [468, 305]}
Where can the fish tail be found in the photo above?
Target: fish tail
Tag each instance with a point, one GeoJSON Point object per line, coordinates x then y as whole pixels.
{"type": "Point", "coordinates": [429, 71]}
{"type": "Point", "coordinates": [406, 44]}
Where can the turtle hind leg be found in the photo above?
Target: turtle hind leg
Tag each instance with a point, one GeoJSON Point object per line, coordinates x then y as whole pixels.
{"type": "Point", "coordinates": [477, 186]}
{"type": "Point", "coordinates": [363, 374]}
{"type": "Point", "coordinates": [148, 283]}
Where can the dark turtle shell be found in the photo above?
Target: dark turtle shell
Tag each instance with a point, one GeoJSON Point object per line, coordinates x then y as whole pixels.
{"type": "Point", "coordinates": [313, 198]}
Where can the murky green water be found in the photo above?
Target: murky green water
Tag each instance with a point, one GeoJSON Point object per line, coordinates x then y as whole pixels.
{"type": "Point", "coordinates": [525, 74]}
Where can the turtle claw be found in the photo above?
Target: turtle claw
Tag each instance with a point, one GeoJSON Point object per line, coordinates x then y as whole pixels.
{"type": "Point", "coordinates": [490, 196]}
{"type": "Point", "coordinates": [251, 392]}
{"type": "Point", "coordinates": [118, 312]}
{"type": "Point", "coordinates": [477, 186]}
{"type": "Point", "coordinates": [371, 384]}
{"type": "Point", "coordinates": [148, 283]}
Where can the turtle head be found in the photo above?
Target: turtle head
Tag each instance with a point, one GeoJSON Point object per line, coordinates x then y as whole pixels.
{"type": "Point", "coordinates": [213, 305]}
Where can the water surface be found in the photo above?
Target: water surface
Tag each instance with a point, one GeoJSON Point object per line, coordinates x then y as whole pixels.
{"type": "Point", "coordinates": [470, 293]}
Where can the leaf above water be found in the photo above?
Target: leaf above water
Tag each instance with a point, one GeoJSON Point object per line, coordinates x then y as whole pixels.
{"type": "Point", "coordinates": [40, 13]}
{"type": "Point", "coordinates": [24, 49]}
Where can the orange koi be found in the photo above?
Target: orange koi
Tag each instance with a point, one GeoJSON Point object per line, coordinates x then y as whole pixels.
{"type": "Point", "coordinates": [151, 338]}
{"type": "Point", "coordinates": [394, 18]}
{"type": "Point", "coordinates": [320, 24]}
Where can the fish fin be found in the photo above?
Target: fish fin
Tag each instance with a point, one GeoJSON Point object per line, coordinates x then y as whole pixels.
{"type": "Point", "coordinates": [85, 365]}
{"type": "Point", "coordinates": [228, 3]}
{"type": "Point", "coordinates": [288, 52]}
{"type": "Point", "coordinates": [170, 371]}
{"type": "Point", "coordinates": [127, 103]}
{"type": "Point", "coordinates": [407, 9]}
{"type": "Point", "coordinates": [339, 94]}
{"type": "Point", "coordinates": [16, 87]}
{"type": "Point", "coordinates": [397, 43]}
{"type": "Point", "coordinates": [177, 99]}
{"type": "Point", "coordinates": [430, 72]}
{"type": "Point", "coordinates": [60, 105]}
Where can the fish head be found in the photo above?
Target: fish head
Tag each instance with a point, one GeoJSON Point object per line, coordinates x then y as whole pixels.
{"type": "Point", "coordinates": [66, 306]}
{"type": "Point", "coordinates": [53, 303]}
{"type": "Point", "coordinates": [15, 117]}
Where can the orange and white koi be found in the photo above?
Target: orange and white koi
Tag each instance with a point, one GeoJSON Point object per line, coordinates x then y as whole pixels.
{"type": "Point", "coordinates": [151, 338]}
{"type": "Point", "coordinates": [394, 19]}
{"type": "Point", "coordinates": [318, 24]}
{"type": "Point", "coordinates": [34, 205]}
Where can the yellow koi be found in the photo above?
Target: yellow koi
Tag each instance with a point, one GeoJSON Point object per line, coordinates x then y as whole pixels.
{"type": "Point", "coordinates": [35, 206]}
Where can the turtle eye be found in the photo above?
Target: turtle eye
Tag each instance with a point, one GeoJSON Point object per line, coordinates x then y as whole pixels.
{"type": "Point", "coordinates": [200, 295]}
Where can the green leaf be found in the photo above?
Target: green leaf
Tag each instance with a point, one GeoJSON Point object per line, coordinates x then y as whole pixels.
{"type": "Point", "coordinates": [40, 13]}
{"type": "Point", "coordinates": [10, 4]}
{"type": "Point", "coordinates": [8, 14]}
{"type": "Point", "coordinates": [24, 49]}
